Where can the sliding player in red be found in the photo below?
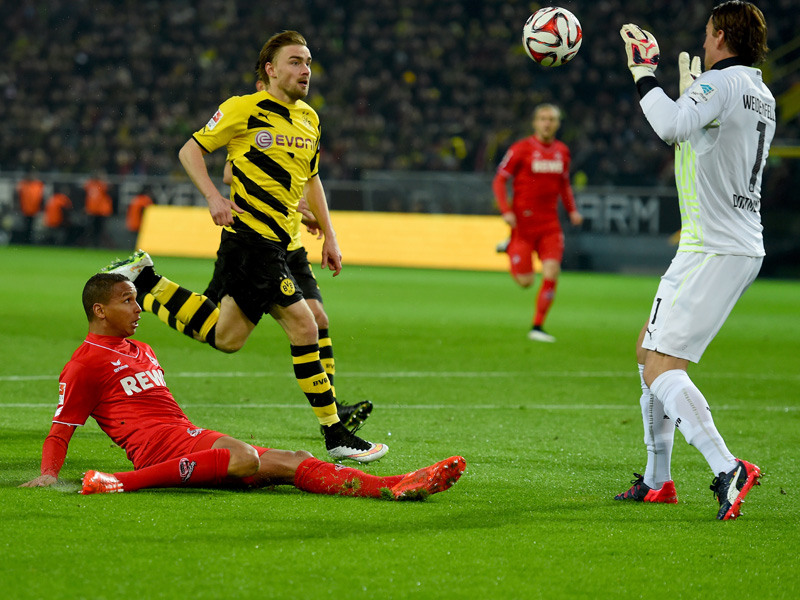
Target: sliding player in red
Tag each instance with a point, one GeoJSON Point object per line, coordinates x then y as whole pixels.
{"type": "Point", "coordinates": [539, 167]}
{"type": "Point", "coordinates": [120, 383]}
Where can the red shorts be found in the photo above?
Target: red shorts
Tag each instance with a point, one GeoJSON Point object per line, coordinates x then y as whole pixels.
{"type": "Point", "coordinates": [548, 245]}
{"type": "Point", "coordinates": [172, 441]}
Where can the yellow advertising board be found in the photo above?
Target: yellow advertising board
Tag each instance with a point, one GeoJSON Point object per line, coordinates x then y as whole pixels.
{"type": "Point", "coordinates": [365, 238]}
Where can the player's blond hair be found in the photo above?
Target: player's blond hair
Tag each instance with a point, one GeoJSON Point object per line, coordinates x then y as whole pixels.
{"type": "Point", "coordinates": [270, 50]}
{"type": "Point", "coordinates": [546, 106]}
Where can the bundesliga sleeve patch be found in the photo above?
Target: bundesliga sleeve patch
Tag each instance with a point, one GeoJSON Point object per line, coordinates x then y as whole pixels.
{"type": "Point", "coordinates": [62, 392]}
{"type": "Point", "coordinates": [214, 120]}
{"type": "Point", "coordinates": [702, 92]}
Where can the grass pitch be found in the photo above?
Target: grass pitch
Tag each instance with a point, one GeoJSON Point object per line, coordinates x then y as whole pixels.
{"type": "Point", "coordinates": [550, 434]}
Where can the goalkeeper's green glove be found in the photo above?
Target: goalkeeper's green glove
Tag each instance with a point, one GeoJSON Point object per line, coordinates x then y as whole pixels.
{"type": "Point", "coordinates": [642, 50]}
{"type": "Point", "coordinates": [688, 72]}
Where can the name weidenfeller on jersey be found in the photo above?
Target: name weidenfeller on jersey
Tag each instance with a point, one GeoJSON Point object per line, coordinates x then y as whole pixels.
{"type": "Point", "coordinates": [728, 117]}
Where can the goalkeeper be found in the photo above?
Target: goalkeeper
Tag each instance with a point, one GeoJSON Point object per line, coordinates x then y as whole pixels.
{"type": "Point", "coordinates": [722, 124]}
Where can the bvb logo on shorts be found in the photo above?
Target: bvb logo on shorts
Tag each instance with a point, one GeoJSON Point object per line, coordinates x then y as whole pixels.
{"type": "Point", "coordinates": [287, 287]}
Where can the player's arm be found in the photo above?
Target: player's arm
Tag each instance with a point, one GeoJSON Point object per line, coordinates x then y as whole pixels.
{"type": "Point", "coordinates": [308, 219]}
{"type": "Point", "coordinates": [314, 194]}
{"type": "Point", "coordinates": [500, 189]}
{"type": "Point", "coordinates": [193, 161]}
{"type": "Point", "coordinates": [568, 198]}
{"type": "Point", "coordinates": [672, 121]}
{"type": "Point", "coordinates": [54, 451]}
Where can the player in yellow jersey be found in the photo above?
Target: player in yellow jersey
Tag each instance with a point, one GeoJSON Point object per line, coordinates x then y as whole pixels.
{"type": "Point", "coordinates": [272, 138]}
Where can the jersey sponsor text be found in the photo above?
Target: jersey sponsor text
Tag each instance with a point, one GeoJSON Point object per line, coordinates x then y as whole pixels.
{"type": "Point", "coordinates": [547, 166]}
{"type": "Point", "coordinates": [143, 380]}
{"type": "Point", "coordinates": [746, 203]}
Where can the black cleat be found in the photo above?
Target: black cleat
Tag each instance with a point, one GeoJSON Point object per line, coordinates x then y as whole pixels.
{"type": "Point", "coordinates": [353, 416]}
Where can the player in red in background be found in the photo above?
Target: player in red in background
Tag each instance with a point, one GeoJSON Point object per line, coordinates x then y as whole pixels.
{"type": "Point", "coordinates": [120, 383]}
{"type": "Point", "coordinates": [539, 168]}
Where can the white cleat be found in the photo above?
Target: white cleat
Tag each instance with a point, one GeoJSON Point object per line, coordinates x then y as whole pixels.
{"type": "Point", "coordinates": [537, 335]}
{"type": "Point", "coordinates": [131, 266]}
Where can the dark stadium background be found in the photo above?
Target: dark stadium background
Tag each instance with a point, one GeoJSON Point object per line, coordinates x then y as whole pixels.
{"type": "Point", "coordinates": [415, 97]}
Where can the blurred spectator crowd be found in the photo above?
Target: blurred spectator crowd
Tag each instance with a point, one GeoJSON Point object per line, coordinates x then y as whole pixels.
{"type": "Point", "coordinates": [117, 86]}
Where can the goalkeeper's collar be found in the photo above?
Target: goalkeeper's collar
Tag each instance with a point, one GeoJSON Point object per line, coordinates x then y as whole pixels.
{"type": "Point", "coordinates": [729, 62]}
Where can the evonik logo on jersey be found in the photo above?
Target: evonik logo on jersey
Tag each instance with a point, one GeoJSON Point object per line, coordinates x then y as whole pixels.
{"type": "Point", "coordinates": [265, 139]}
{"type": "Point", "coordinates": [142, 381]}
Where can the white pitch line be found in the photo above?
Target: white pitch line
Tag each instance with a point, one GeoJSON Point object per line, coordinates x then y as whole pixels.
{"type": "Point", "coordinates": [515, 406]}
{"type": "Point", "coordinates": [440, 374]}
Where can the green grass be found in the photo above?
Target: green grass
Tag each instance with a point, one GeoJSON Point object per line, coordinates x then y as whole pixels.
{"type": "Point", "coordinates": [550, 434]}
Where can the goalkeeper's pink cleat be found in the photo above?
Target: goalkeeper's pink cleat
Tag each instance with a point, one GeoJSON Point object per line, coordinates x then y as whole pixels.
{"type": "Point", "coordinates": [639, 492]}
{"type": "Point", "coordinates": [95, 482]}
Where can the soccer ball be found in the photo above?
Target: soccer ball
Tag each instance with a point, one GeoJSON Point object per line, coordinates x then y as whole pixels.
{"type": "Point", "coordinates": [552, 36]}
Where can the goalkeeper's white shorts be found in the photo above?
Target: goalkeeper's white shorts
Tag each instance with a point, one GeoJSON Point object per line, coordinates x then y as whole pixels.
{"type": "Point", "coordinates": [695, 296]}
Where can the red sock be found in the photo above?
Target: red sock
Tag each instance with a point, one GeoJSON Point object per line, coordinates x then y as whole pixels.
{"type": "Point", "coordinates": [543, 301]}
{"type": "Point", "coordinates": [319, 477]}
{"type": "Point", "coordinates": [196, 469]}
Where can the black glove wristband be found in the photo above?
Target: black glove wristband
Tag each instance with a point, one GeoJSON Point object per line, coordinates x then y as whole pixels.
{"type": "Point", "coordinates": [646, 84]}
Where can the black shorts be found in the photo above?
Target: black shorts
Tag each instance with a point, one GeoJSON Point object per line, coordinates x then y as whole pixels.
{"type": "Point", "coordinates": [299, 267]}
{"type": "Point", "coordinates": [253, 271]}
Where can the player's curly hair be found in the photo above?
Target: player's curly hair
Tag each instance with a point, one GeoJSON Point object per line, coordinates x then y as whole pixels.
{"type": "Point", "coordinates": [745, 29]}
{"type": "Point", "coordinates": [270, 49]}
{"type": "Point", "coordinates": [99, 289]}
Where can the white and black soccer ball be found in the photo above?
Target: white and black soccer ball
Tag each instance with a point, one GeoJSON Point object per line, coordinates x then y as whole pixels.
{"type": "Point", "coordinates": [552, 36]}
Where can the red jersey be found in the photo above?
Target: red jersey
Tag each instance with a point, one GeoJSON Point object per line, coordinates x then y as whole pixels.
{"type": "Point", "coordinates": [119, 383]}
{"type": "Point", "coordinates": [541, 175]}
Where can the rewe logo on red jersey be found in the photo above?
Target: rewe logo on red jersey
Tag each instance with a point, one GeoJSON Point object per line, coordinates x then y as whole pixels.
{"type": "Point", "coordinates": [142, 381]}
{"type": "Point", "coordinates": [540, 165]}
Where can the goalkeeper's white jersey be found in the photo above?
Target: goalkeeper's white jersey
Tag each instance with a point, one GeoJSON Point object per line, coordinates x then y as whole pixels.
{"type": "Point", "coordinates": [727, 116]}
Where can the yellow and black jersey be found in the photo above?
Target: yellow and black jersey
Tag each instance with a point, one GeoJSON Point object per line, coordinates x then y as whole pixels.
{"type": "Point", "coordinates": [273, 148]}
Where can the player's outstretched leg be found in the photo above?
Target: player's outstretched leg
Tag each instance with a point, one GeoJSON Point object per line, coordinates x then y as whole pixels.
{"type": "Point", "coordinates": [429, 480]}
{"type": "Point", "coordinates": [730, 488]}
{"type": "Point", "coordinates": [639, 492]}
{"type": "Point", "coordinates": [206, 467]}
{"type": "Point", "coordinates": [319, 477]}
{"type": "Point", "coordinates": [192, 314]}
